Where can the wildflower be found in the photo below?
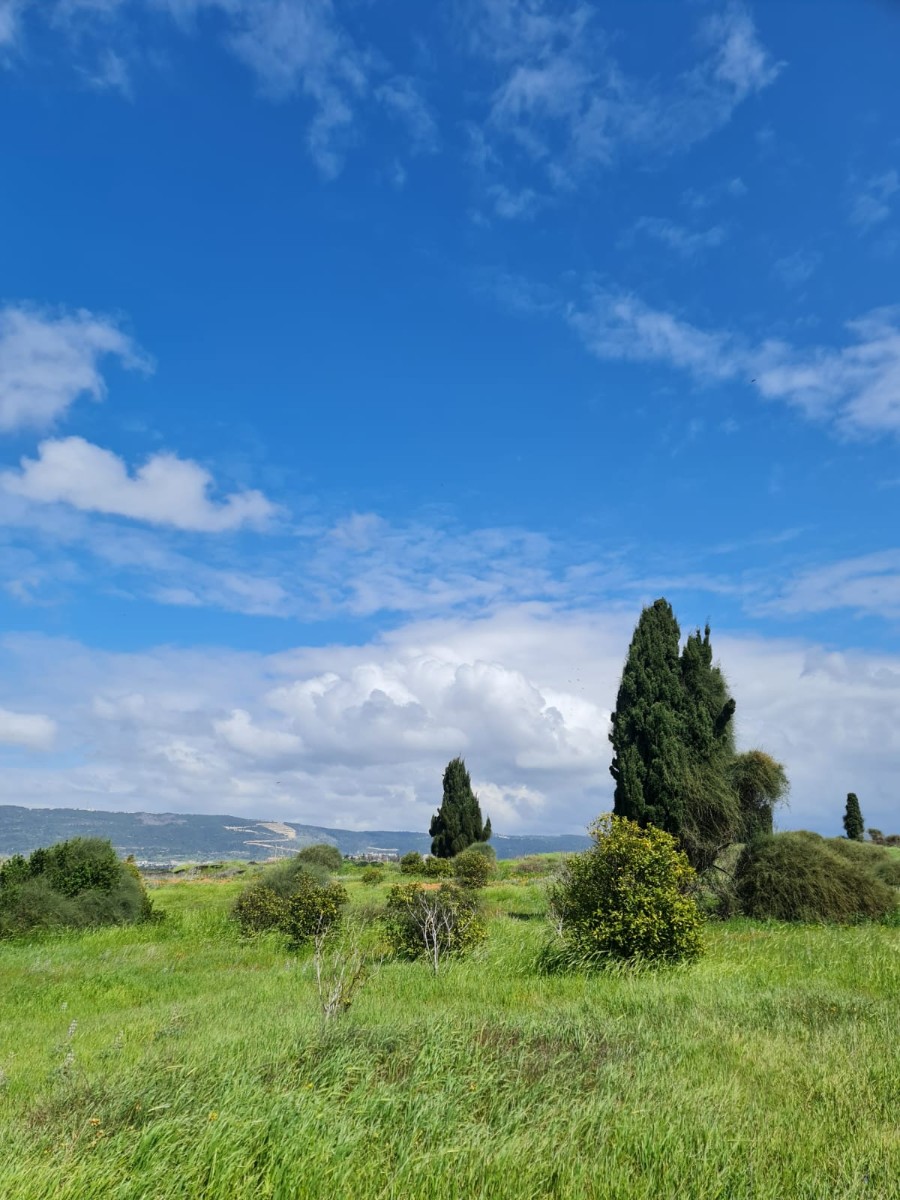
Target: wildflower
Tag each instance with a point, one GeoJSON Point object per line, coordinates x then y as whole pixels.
{"type": "Point", "coordinates": [213, 1116]}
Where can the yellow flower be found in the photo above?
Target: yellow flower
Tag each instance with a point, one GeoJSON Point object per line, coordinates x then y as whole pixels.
{"type": "Point", "coordinates": [213, 1116]}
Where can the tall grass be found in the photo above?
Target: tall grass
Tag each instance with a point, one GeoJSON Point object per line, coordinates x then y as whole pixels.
{"type": "Point", "coordinates": [177, 1061]}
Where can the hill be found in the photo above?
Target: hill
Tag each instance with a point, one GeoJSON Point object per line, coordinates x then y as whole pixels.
{"type": "Point", "coordinates": [187, 837]}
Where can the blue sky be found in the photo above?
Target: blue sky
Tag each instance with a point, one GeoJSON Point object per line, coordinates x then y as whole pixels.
{"type": "Point", "coordinates": [365, 367]}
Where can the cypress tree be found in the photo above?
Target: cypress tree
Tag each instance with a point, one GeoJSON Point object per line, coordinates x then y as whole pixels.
{"type": "Point", "coordinates": [673, 739]}
{"type": "Point", "coordinates": [457, 823]}
{"type": "Point", "coordinates": [648, 762]}
{"type": "Point", "coordinates": [854, 826]}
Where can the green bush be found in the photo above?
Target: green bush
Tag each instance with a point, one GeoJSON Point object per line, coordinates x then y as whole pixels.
{"type": "Point", "coordinates": [628, 898]}
{"type": "Point", "coordinates": [472, 869]}
{"type": "Point", "coordinates": [424, 923]}
{"type": "Point", "coordinates": [872, 858]}
{"type": "Point", "coordinates": [314, 910]}
{"type": "Point", "coordinates": [284, 877]}
{"type": "Point", "coordinates": [74, 884]}
{"type": "Point", "coordinates": [321, 854]}
{"type": "Point", "coordinates": [801, 877]}
{"type": "Point", "coordinates": [371, 876]}
{"type": "Point", "coordinates": [437, 868]}
{"type": "Point", "coordinates": [412, 863]}
{"type": "Point", "coordinates": [259, 909]}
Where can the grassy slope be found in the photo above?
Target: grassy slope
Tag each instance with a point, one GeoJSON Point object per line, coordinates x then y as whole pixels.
{"type": "Point", "coordinates": [199, 1068]}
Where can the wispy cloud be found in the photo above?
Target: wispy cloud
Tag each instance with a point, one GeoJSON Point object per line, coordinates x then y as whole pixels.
{"type": "Point", "coordinates": [563, 103]}
{"type": "Point", "coordinates": [48, 360]}
{"type": "Point", "coordinates": [688, 243]}
{"type": "Point", "coordinates": [855, 387]}
{"type": "Point", "coordinates": [797, 268]}
{"type": "Point", "coordinates": [10, 25]}
{"type": "Point", "coordinates": [873, 200]}
{"type": "Point", "coordinates": [867, 584]}
{"type": "Point", "coordinates": [403, 99]}
{"type": "Point", "coordinates": [702, 198]}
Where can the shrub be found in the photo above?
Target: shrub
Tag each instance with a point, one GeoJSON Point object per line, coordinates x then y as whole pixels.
{"type": "Point", "coordinates": [412, 863]}
{"type": "Point", "coordinates": [437, 868]}
{"type": "Point", "coordinates": [73, 884]}
{"type": "Point", "coordinates": [800, 877]}
{"type": "Point", "coordinates": [431, 924]}
{"type": "Point", "coordinates": [284, 877]}
{"type": "Point", "coordinates": [322, 854]}
{"type": "Point", "coordinates": [473, 870]}
{"type": "Point", "coordinates": [871, 858]}
{"type": "Point", "coordinates": [314, 910]}
{"type": "Point", "coordinates": [259, 908]}
{"type": "Point", "coordinates": [627, 898]}
{"type": "Point", "coordinates": [371, 876]}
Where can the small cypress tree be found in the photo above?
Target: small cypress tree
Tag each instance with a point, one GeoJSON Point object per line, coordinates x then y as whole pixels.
{"type": "Point", "coordinates": [457, 823]}
{"type": "Point", "coordinates": [854, 826]}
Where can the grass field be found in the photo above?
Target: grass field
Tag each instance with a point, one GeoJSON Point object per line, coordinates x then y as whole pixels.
{"type": "Point", "coordinates": [176, 1060]}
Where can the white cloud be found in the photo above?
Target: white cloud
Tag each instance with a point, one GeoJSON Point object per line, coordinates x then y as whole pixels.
{"type": "Point", "coordinates": [165, 490]}
{"type": "Point", "coordinates": [563, 103]}
{"type": "Point", "coordinates": [359, 735]}
{"type": "Point", "coordinates": [697, 200]}
{"type": "Point", "coordinates": [868, 584]}
{"type": "Point", "coordinates": [798, 268]}
{"type": "Point", "coordinates": [873, 201]}
{"type": "Point", "coordinates": [48, 361]}
{"type": "Point", "coordinates": [855, 387]}
{"type": "Point", "coordinates": [29, 730]}
{"type": "Point", "coordinates": [111, 74]}
{"type": "Point", "coordinates": [689, 243]}
{"type": "Point", "coordinates": [10, 23]}
{"type": "Point", "coordinates": [298, 46]}
{"type": "Point", "coordinates": [401, 97]}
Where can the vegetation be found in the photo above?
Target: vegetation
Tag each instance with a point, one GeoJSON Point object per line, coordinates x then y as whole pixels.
{"type": "Point", "coordinates": [432, 924]}
{"type": "Point", "coordinates": [628, 898]}
{"type": "Point", "coordinates": [472, 869]}
{"type": "Point", "coordinates": [178, 1061]}
{"type": "Point", "coordinates": [437, 868]}
{"type": "Point", "coordinates": [74, 884]}
{"type": "Point", "coordinates": [801, 877]}
{"type": "Point", "coordinates": [321, 854]}
{"type": "Point", "coordinates": [674, 758]}
{"type": "Point", "coordinates": [854, 826]}
{"type": "Point", "coordinates": [412, 863]}
{"type": "Point", "coordinates": [458, 822]}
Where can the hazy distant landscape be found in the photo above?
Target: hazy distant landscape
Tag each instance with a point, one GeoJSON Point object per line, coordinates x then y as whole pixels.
{"type": "Point", "coordinates": [186, 837]}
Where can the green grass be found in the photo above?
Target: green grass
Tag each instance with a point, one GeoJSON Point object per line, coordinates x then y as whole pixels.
{"type": "Point", "coordinates": [198, 1066]}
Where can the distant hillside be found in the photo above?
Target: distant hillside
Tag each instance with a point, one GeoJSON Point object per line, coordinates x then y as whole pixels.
{"type": "Point", "coordinates": [184, 837]}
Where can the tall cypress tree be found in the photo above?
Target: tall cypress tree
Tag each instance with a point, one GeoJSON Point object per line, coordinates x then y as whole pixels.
{"type": "Point", "coordinates": [648, 751]}
{"type": "Point", "coordinates": [673, 738]}
{"type": "Point", "coordinates": [457, 823]}
{"type": "Point", "coordinates": [854, 826]}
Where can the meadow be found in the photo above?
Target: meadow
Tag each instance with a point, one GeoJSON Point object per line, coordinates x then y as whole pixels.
{"type": "Point", "coordinates": [176, 1060]}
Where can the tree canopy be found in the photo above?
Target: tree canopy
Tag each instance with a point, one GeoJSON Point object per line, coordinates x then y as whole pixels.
{"type": "Point", "coordinates": [854, 826]}
{"type": "Point", "coordinates": [458, 822]}
{"type": "Point", "coordinates": [674, 759]}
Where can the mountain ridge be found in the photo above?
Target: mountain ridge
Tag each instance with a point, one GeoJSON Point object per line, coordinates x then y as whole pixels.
{"type": "Point", "coordinates": [191, 837]}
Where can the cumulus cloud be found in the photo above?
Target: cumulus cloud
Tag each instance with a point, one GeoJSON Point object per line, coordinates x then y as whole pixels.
{"type": "Point", "coordinates": [359, 735]}
{"type": "Point", "coordinates": [855, 387]}
{"type": "Point", "coordinates": [165, 490]}
{"type": "Point", "coordinates": [47, 361]}
{"type": "Point", "coordinates": [33, 731]}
